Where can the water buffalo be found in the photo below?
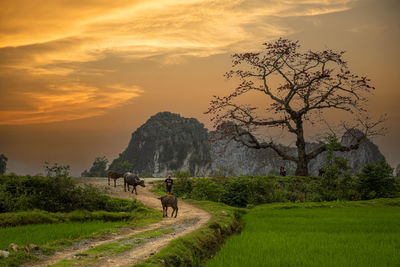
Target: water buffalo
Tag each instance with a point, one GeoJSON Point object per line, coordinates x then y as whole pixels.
{"type": "Point", "coordinates": [114, 175]}
{"type": "Point", "coordinates": [169, 201]}
{"type": "Point", "coordinates": [133, 180]}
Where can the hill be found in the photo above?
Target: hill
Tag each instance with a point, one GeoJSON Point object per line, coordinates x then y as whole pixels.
{"type": "Point", "coordinates": [169, 142]}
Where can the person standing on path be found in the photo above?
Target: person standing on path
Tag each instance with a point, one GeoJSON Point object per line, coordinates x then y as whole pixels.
{"type": "Point", "coordinates": [168, 183]}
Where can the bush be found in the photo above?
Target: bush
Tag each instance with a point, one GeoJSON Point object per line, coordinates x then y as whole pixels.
{"type": "Point", "coordinates": [206, 189]}
{"type": "Point", "coordinates": [182, 187]}
{"type": "Point", "coordinates": [181, 174]}
{"type": "Point", "coordinates": [376, 180]}
{"type": "Point", "coordinates": [236, 192]}
{"type": "Point", "coordinates": [60, 194]}
{"type": "Point", "coordinates": [254, 190]}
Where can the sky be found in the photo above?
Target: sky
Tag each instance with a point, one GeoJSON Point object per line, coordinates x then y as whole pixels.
{"type": "Point", "coordinates": [78, 77]}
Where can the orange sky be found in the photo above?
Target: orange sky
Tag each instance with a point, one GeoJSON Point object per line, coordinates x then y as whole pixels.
{"type": "Point", "coordinates": [78, 77]}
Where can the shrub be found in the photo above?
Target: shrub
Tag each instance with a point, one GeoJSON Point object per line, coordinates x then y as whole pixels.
{"type": "Point", "coordinates": [182, 187]}
{"type": "Point", "coordinates": [206, 189]}
{"type": "Point", "coordinates": [236, 192]}
{"type": "Point", "coordinates": [376, 180]}
{"type": "Point", "coordinates": [58, 194]}
{"type": "Point", "coordinates": [181, 174]}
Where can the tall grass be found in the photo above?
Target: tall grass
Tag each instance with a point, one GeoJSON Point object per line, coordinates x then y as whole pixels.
{"type": "Point", "coordinates": [44, 233]}
{"type": "Point", "coordinates": [331, 235]}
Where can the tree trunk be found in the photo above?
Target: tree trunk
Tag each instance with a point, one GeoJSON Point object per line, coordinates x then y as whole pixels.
{"type": "Point", "coordinates": [302, 163]}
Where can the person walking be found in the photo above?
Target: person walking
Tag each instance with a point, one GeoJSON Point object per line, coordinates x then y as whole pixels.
{"type": "Point", "coordinates": [169, 182]}
{"type": "Point", "coordinates": [282, 171]}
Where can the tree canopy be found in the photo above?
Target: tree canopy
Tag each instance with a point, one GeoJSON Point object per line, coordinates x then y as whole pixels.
{"type": "Point", "coordinates": [98, 169]}
{"type": "Point", "coordinates": [298, 87]}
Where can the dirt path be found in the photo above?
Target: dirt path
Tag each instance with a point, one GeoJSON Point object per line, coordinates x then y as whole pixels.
{"type": "Point", "coordinates": [189, 219]}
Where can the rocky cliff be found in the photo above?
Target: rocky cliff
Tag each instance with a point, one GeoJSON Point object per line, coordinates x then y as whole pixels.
{"type": "Point", "coordinates": [168, 142]}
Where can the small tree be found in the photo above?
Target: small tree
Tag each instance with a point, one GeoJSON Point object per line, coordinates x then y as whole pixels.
{"type": "Point", "coordinates": [98, 169]}
{"type": "Point", "coordinates": [397, 171]}
{"type": "Point", "coordinates": [123, 166]}
{"type": "Point", "coordinates": [308, 83]}
{"type": "Point", "coordinates": [335, 166]}
{"type": "Point", "coordinates": [376, 180]}
{"type": "Point", "coordinates": [3, 164]}
{"type": "Point", "coordinates": [57, 170]}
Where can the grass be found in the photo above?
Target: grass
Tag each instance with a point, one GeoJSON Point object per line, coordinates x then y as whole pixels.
{"type": "Point", "coordinates": [98, 253]}
{"type": "Point", "coordinates": [362, 233]}
{"type": "Point", "coordinates": [10, 219]}
{"type": "Point", "coordinates": [58, 236]}
{"type": "Point", "coordinates": [44, 233]}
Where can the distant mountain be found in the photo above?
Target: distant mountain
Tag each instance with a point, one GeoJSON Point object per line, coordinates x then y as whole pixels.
{"type": "Point", "coordinates": [169, 142]}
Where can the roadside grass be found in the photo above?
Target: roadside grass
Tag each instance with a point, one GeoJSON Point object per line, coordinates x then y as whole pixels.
{"type": "Point", "coordinates": [11, 219]}
{"type": "Point", "coordinates": [98, 253]}
{"type": "Point", "coordinates": [44, 233]}
{"type": "Point", "coordinates": [360, 233]}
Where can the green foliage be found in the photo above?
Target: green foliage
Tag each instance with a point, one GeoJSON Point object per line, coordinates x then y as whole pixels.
{"type": "Point", "coordinates": [3, 164]}
{"type": "Point", "coordinates": [376, 180]}
{"type": "Point", "coordinates": [181, 174]}
{"type": "Point", "coordinates": [204, 189]}
{"type": "Point", "coordinates": [335, 166]}
{"type": "Point", "coordinates": [182, 187]}
{"type": "Point", "coordinates": [18, 193]}
{"type": "Point", "coordinates": [98, 169]}
{"type": "Point", "coordinates": [123, 166]}
{"type": "Point", "coordinates": [57, 170]}
{"type": "Point", "coordinates": [397, 171]}
{"type": "Point", "coordinates": [236, 192]}
{"type": "Point", "coordinates": [254, 190]}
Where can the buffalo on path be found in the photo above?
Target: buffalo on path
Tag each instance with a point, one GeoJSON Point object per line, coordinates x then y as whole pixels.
{"type": "Point", "coordinates": [169, 201]}
{"type": "Point", "coordinates": [133, 180]}
{"type": "Point", "coordinates": [114, 175]}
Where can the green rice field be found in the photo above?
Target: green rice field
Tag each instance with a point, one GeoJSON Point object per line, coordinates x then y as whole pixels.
{"type": "Point", "coordinates": [314, 234]}
{"type": "Point", "coordinates": [40, 234]}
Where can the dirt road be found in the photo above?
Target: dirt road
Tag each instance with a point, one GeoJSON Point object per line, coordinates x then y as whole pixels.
{"type": "Point", "coordinates": [189, 219]}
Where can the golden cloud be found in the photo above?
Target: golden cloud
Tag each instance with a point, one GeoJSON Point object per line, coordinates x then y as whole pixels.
{"type": "Point", "coordinates": [70, 103]}
{"type": "Point", "coordinates": [50, 42]}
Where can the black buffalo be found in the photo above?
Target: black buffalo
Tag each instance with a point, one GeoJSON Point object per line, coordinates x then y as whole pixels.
{"type": "Point", "coordinates": [169, 201]}
{"type": "Point", "coordinates": [114, 175]}
{"type": "Point", "coordinates": [133, 180]}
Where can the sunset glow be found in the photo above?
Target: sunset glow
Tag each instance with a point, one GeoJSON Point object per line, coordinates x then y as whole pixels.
{"type": "Point", "coordinates": [102, 62]}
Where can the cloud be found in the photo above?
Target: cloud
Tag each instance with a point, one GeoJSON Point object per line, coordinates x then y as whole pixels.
{"type": "Point", "coordinates": [72, 102]}
{"type": "Point", "coordinates": [44, 47]}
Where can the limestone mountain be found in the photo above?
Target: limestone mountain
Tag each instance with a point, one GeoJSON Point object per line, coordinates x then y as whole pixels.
{"type": "Point", "coordinates": [169, 142]}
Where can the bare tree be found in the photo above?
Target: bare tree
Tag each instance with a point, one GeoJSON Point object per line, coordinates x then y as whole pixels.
{"type": "Point", "coordinates": [308, 83]}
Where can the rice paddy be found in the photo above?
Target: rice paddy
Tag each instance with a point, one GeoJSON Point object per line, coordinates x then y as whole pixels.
{"type": "Point", "coordinates": [316, 235]}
